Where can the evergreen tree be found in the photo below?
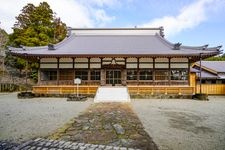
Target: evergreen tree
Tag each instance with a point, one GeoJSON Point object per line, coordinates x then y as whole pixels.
{"type": "Point", "coordinates": [3, 38]}
{"type": "Point", "coordinates": [3, 41]}
{"type": "Point", "coordinates": [36, 26]}
{"type": "Point", "coordinates": [217, 58]}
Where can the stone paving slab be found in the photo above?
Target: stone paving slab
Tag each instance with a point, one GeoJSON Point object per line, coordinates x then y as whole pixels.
{"type": "Point", "coordinates": [46, 144]}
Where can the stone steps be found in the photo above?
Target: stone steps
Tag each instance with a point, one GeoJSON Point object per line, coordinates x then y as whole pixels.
{"type": "Point", "coordinates": [112, 94]}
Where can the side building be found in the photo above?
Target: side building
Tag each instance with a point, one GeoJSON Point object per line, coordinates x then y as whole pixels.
{"type": "Point", "coordinates": [212, 77]}
{"type": "Point", "coordinates": [140, 58]}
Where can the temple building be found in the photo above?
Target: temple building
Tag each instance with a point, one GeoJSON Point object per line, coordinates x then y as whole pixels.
{"type": "Point", "coordinates": [132, 57]}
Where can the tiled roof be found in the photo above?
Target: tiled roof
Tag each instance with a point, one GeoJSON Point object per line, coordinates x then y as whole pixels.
{"type": "Point", "coordinates": [218, 66]}
{"type": "Point", "coordinates": [128, 45]}
{"type": "Point", "coordinates": [210, 69]}
{"type": "Point", "coordinates": [208, 75]}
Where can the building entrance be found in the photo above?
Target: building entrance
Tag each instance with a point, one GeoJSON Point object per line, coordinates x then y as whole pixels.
{"type": "Point", "coordinates": [113, 77]}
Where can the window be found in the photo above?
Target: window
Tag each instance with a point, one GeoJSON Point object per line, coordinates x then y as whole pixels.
{"type": "Point", "coordinates": [203, 81]}
{"type": "Point", "coordinates": [95, 74]}
{"type": "Point", "coordinates": [82, 74]}
{"type": "Point", "coordinates": [213, 81]}
{"type": "Point", "coordinates": [218, 81]}
{"type": "Point", "coordinates": [161, 75]}
{"type": "Point", "coordinates": [179, 74]}
{"type": "Point", "coordinates": [66, 75]}
{"type": "Point", "coordinates": [49, 75]}
{"type": "Point", "coordinates": [145, 74]}
{"type": "Point", "coordinates": [132, 74]}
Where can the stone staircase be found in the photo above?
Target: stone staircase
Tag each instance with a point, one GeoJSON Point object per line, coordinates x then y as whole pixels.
{"type": "Point", "coordinates": [112, 94]}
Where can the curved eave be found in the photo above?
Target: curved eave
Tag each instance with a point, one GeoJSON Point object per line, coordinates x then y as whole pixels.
{"type": "Point", "coordinates": [25, 55]}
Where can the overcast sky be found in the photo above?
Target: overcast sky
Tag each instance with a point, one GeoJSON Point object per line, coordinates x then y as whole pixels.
{"type": "Point", "coordinates": [191, 22]}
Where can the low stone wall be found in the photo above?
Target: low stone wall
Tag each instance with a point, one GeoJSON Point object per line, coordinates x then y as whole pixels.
{"type": "Point", "coordinates": [61, 95]}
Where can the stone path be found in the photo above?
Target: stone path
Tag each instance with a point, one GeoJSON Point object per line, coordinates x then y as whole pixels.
{"type": "Point", "coordinates": [5, 145]}
{"type": "Point", "coordinates": [112, 124]}
{"type": "Point", "coordinates": [45, 144]}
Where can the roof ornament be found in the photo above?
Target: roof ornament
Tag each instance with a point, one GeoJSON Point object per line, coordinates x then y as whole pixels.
{"type": "Point", "coordinates": [69, 31]}
{"type": "Point", "coordinates": [51, 46]}
{"type": "Point", "coordinates": [205, 46]}
{"type": "Point", "coordinates": [161, 32]}
{"type": "Point", "coordinates": [177, 46]}
{"type": "Point", "coordinates": [218, 47]}
{"type": "Point", "coordinates": [23, 47]}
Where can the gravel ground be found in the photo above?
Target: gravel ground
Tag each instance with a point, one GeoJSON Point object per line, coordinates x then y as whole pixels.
{"type": "Point", "coordinates": [184, 124]}
{"type": "Point", "coordinates": [23, 119]}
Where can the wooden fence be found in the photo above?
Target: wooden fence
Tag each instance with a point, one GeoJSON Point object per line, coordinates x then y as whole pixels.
{"type": "Point", "coordinates": [216, 89]}
{"type": "Point", "coordinates": [213, 89]}
{"type": "Point", "coordinates": [64, 89]}
{"type": "Point", "coordinates": [178, 90]}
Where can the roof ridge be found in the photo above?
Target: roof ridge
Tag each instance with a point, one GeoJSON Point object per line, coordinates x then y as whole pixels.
{"type": "Point", "coordinates": [78, 35]}
{"type": "Point", "coordinates": [137, 28]}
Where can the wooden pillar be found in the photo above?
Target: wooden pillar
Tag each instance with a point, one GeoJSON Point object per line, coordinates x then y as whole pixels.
{"type": "Point", "coordinates": [189, 64]}
{"type": "Point", "coordinates": [101, 62]}
{"type": "Point", "coordinates": [58, 70]}
{"type": "Point", "coordinates": [125, 71]}
{"type": "Point", "coordinates": [39, 71]}
{"type": "Point", "coordinates": [26, 68]}
{"type": "Point", "coordinates": [153, 71]}
{"type": "Point", "coordinates": [200, 79]}
{"type": "Point", "coordinates": [102, 73]}
{"type": "Point", "coordinates": [89, 71]}
{"type": "Point", "coordinates": [169, 73]}
{"type": "Point", "coordinates": [73, 69]}
{"type": "Point", "coordinates": [138, 70]}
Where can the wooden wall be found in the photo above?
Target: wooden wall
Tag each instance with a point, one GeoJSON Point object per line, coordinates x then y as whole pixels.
{"type": "Point", "coordinates": [213, 89]}
{"type": "Point", "coordinates": [192, 79]}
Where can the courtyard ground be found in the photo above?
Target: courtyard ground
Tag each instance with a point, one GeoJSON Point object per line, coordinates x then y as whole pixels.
{"type": "Point", "coordinates": [23, 119]}
{"type": "Point", "coordinates": [172, 124]}
{"type": "Point", "coordinates": [184, 124]}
